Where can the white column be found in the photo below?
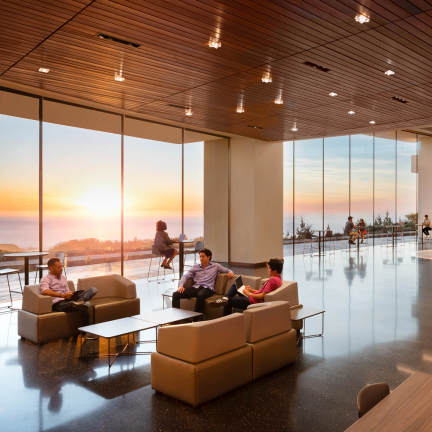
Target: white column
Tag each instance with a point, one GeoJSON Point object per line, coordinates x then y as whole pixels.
{"type": "Point", "coordinates": [256, 201]}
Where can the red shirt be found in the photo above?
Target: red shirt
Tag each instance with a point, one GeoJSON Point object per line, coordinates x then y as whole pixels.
{"type": "Point", "coordinates": [273, 283]}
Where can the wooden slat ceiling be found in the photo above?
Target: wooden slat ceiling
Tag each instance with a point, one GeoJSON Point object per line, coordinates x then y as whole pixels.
{"type": "Point", "coordinates": [174, 66]}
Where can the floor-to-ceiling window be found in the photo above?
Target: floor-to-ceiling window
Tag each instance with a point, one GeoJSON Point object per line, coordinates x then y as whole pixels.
{"type": "Point", "coordinates": [152, 190]}
{"type": "Point", "coordinates": [336, 184]}
{"type": "Point", "coordinates": [406, 180]}
{"type": "Point", "coordinates": [82, 190]}
{"type": "Point", "coordinates": [385, 182]}
{"type": "Point", "coordinates": [308, 162]}
{"type": "Point", "coordinates": [19, 181]}
{"type": "Point", "coordinates": [362, 183]}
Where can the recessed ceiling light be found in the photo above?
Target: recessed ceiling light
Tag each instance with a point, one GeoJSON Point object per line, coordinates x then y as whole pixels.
{"type": "Point", "coordinates": [389, 72]}
{"type": "Point", "coordinates": [351, 112]}
{"type": "Point", "coordinates": [240, 109]}
{"type": "Point", "coordinates": [333, 94]}
{"type": "Point", "coordinates": [360, 18]}
{"type": "Point", "coordinates": [188, 112]}
{"type": "Point", "coordinates": [118, 76]}
{"type": "Point", "coordinates": [43, 70]}
{"type": "Point", "coordinates": [294, 128]}
{"type": "Point", "coordinates": [279, 99]}
{"type": "Point", "coordinates": [372, 122]}
{"type": "Point", "coordinates": [214, 42]}
{"type": "Point", "coordinates": [266, 78]}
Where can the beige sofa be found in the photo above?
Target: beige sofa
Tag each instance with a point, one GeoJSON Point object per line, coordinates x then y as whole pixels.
{"type": "Point", "coordinates": [271, 336]}
{"type": "Point", "coordinates": [200, 361]}
{"type": "Point", "coordinates": [116, 298]}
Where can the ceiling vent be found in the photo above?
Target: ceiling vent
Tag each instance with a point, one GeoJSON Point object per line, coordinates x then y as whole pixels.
{"type": "Point", "coordinates": [117, 40]}
{"type": "Point", "coordinates": [182, 107]}
{"type": "Point", "coordinates": [317, 67]}
{"type": "Point", "coordinates": [399, 99]}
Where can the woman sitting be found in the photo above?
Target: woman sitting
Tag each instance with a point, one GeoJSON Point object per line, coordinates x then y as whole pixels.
{"type": "Point", "coordinates": [163, 244]}
{"type": "Point", "coordinates": [235, 299]}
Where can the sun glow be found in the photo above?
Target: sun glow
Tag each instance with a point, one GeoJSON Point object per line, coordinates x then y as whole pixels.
{"type": "Point", "coordinates": [100, 202]}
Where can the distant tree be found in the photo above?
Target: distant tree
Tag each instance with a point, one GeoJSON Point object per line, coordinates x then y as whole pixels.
{"type": "Point", "coordinates": [304, 231]}
{"type": "Point", "coordinates": [412, 220]}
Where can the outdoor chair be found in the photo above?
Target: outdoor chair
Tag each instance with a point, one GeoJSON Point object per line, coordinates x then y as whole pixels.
{"type": "Point", "coordinates": [6, 272]}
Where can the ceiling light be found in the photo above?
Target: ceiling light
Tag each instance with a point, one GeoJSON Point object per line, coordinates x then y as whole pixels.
{"type": "Point", "coordinates": [389, 72]}
{"type": "Point", "coordinates": [360, 18]}
{"type": "Point", "coordinates": [294, 128]}
{"type": "Point", "coordinates": [118, 76]}
{"type": "Point", "coordinates": [240, 108]}
{"type": "Point", "coordinates": [372, 122]}
{"type": "Point", "coordinates": [266, 78]}
{"type": "Point", "coordinates": [188, 112]}
{"type": "Point", "coordinates": [351, 112]}
{"type": "Point", "coordinates": [279, 99]}
{"type": "Point", "coordinates": [214, 42]}
{"type": "Point", "coordinates": [333, 94]}
{"type": "Point", "coordinates": [43, 70]}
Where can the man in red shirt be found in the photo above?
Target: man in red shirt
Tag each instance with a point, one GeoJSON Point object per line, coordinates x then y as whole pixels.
{"type": "Point", "coordinates": [239, 301]}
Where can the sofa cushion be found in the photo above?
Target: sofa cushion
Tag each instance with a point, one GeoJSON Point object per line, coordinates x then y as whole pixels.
{"type": "Point", "coordinates": [112, 285]}
{"type": "Point", "coordinates": [264, 322]}
{"type": "Point", "coordinates": [202, 340]}
{"type": "Point", "coordinates": [111, 308]}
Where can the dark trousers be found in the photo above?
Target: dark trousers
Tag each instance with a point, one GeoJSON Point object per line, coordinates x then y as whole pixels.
{"type": "Point", "coordinates": [72, 306]}
{"type": "Point", "coordinates": [426, 230]}
{"type": "Point", "coordinates": [235, 300]}
{"type": "Point", "coordinates": [201, 293]}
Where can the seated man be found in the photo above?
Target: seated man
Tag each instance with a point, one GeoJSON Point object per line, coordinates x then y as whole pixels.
{"type": "Point", "coordinates": [239, 301]}
{"type": "Point", "coordinates": [204, 277]}
{"type": "Point", "coordinates": [55, 285]}
{"type": "Point", "coordinates": [350, 230]}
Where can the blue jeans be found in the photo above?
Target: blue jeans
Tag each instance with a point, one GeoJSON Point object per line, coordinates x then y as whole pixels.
{"type": "Point", "coordinates": [71, 306]}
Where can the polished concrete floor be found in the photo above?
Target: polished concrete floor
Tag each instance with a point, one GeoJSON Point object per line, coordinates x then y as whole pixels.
{"type": "Point", "coordinates": [378, 327]}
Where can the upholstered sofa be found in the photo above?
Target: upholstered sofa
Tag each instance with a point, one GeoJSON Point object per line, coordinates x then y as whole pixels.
{"type": "Point", "coordinates": [200, 361]}
{"type": "Point", "coordinates": [116, 298]}
{"type": "Point", "coordinates": [270, 334]}
{"type": "Point", "coordinates": [288, 291]}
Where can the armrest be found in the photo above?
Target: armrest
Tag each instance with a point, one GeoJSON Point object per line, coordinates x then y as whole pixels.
{"type": "Point", "coordinates": [297, 306]}
{"type": "Point", "coordinates": [35, 302]}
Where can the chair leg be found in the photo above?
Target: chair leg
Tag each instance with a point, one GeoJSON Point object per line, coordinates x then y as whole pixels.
{"type": "Point", "coordinates": [19, 279]}
{"type": "Point", "coordinates": [148, 273]}
{"type": "Point", "coordinates": [36, 273]}
{"type": "Point", "coordinates": [10, 294]}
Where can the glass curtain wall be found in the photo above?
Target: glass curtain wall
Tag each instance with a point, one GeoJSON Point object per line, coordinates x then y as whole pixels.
{"type": "Point", "coordinates": [152, 190]}
{"type": "Point", "coordinates": [366, 176]}
{"type": "Point", "coordinates": [91, 160]}
{"type": "Point", "coordinates": [308, 188]}
{"type": "Point", "coordinates": [336, 184]}
{"type": "Point", "coordinates": [82, 192]}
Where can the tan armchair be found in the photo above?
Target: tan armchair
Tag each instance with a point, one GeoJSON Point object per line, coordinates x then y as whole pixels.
{"type": "Point", "coordinates": [116, 298]}
{"type": "Point", "coordinates": [200, 361]}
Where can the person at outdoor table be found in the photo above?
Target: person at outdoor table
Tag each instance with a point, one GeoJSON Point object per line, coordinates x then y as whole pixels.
{"type": "Point", "coordinates": [239, 301]}
{"type": "Point", "coordinates": [350, 230]}
{"type": "Point", "coordinates": [362, 229]}
{"type": "Point", "coordinates": [55, 285]}
{"type": "Point", "coordinates": [426, 225]}
{"type": "Point", "coordinates": [204, 277]}
{"type": "Point", "coordinates": [164, 244]}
